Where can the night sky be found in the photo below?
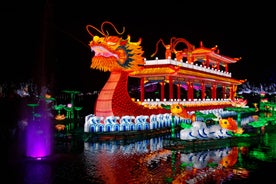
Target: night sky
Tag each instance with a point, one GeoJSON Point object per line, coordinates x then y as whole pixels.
{"type": "Point", "coordinates": [47, 40]}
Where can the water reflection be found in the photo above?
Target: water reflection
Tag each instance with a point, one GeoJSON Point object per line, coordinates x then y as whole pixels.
{"type": "Point", "coordinates": [148, 162]}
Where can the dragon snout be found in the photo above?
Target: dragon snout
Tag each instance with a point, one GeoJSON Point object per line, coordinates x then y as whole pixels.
{"type": "Point", "coordinates": [101, 51]}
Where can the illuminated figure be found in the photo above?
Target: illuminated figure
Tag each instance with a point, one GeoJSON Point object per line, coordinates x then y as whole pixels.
{"type": "Point", "coordinates": [171, 49]}
{"type": "Point", "coordinates": [168, 47]}
{"type": "Point", "coordinates": [118, 56]}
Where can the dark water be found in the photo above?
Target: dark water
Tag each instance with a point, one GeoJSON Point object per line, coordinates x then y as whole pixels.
{"type": "Point", "coordinates": [142, 162]}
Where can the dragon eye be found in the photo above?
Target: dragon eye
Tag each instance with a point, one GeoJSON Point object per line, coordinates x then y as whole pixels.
{"type": "Point", "coordinates": [112, 40]}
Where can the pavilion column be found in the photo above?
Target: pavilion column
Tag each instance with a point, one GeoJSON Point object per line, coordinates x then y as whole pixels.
{"type": "Point", "coordinates": [190, 91]}
{"type": "Point", "coordinates": [214, 91]}
{"type": "Point", "coordinates": [232, 92]}
{"type": "Point", "coordinates": [207, 61]}
{"type": "Point", "coordinates": [190, 58]}
{"type": "Point", "coordinates": [171, 87]}
{"type": "Point", "coordinates": [223, 92]}
{"type": "Point", "coordinates": [142, 87]}
{"type": "Point", "coordinates": [203, 90]}
{"type": "Point", "coordinates": [162, 84]}
{"type": "Point", "coordinates": [226, 67]}
{"type": "Point", "coordinates": [178, 91]}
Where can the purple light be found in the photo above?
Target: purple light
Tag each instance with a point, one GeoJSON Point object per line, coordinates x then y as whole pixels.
{"type": "Point", "coordinates": [39, 138]}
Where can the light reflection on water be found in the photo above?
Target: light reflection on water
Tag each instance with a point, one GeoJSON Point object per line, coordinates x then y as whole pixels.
{"type": "Point", "coordinates": [146, 161]}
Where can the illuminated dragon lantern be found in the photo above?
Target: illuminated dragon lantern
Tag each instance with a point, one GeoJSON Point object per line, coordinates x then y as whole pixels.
{"type": "Point", "coordinates": [118, 56]}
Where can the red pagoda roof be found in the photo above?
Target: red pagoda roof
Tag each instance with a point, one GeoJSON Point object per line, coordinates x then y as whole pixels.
{"type": "Point", "coordinates": [213, 54]}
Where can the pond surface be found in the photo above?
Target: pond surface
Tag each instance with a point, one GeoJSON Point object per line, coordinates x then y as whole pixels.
{"type": "Point", "coordinates": [145, 161]}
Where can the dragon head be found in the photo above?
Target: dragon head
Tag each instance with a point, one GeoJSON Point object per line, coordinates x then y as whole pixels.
{"type": "Point", "coordinates": [113, 53]}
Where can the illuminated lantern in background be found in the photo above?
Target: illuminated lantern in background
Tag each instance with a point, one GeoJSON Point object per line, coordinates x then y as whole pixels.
{"type": "Point", "coordinates": [60, 117]}
{"type": "Point", "coordinates": [60, 127]}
